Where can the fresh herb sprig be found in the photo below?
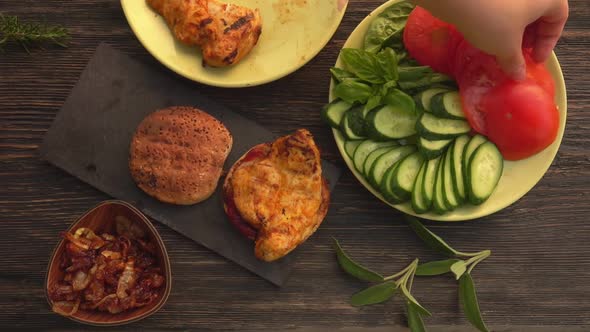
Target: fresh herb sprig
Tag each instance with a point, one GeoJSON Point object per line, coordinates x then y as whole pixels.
{"type": "Point", "coordinates": [28, 34]}
{"type": "Point", "coordinates": [460, 264]}
{"type": "Point", "coordinates": [385, 287]}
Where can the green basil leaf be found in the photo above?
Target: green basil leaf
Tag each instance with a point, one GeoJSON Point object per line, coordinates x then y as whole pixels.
{"type": "Point", "coordinates": [374, 294]}
{"type": "Point", "coordinates": [373, 102]}
{"type": "Point", "coordinates": [458, 269]}
{"type": "Point", "coordinates": [352, 91]}
{"type": "Point", "coordinates": [339, 74]}
{"type": "Point", "coordinates": [387, 63]}
{"type": "Point", "coordinates": [417, 305]}
{"type": "Point", "coordinates": [435, 268]}
{"type": "Point", "coordinates": [362, 64]}
{"type": "Point", "coordinates": [468, 299]}
{"type": "Point", "coordinates": [385, 87]}
{"type": "Point", "coordinates": [354, 269]}
{"type": "Point", "coordinates": [388, 24]}
{"type": "Point", "coordinates": [425, 81]}
{"type": "Point", "coordinates": [413, 73]}
{"type": "Point", "coordinates": [432, 240]}
{"type": "Point", "coordinates": [400, 99]}
{"type": "Point", "coordinates": [415, 322]}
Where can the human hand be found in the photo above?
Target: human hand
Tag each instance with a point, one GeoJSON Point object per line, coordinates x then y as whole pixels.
{"type": "Point", "coordinates": [502, 27]}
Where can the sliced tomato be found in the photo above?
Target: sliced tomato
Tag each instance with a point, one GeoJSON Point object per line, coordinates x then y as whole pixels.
{"type": "Point", "coordinates": [430, 41]}
{"type": "Point", "coordinates": [539, 73]}
{"type": "Point", "coordinates": [521, 118]}
{"type": "Point", "coordinates": [477, 73]}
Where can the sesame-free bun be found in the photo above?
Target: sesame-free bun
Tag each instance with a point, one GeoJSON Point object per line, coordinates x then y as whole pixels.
{"type": "Point", "coordinates": [177, 154]}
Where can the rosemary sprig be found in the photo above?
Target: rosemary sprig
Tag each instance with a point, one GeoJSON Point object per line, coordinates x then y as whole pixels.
{"type": "Point", "coordinates": [28, 34]}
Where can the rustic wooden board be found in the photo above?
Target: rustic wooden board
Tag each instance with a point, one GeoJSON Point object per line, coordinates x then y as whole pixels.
{"type": "Point", "coordinates": [537, 275]}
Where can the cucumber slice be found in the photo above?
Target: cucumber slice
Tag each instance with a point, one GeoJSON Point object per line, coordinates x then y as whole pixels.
{"type": "Point", "coordinates": [384, 162]}
{"type": "Point", "coordinates": [419, 204]}
{"type": "Point", "coordinates": [429, 180]}
{"type": "Point", "coordinates": [333, 112]}
{"type": "Point", "coordinates": [363, 150]}
{"type": "Point", "coordinates": [424, 98]}
{"type": "Point", "coordinates": [372, 157]}
{"type": "Point", "coordinates": [349, 128]}
{"type": "Point", "coordinates": [350, 147]}
{"type": "Point", "coordinates": [447, 105]}
{"type": "Point", "coordinates": [432, 149]}
{"type": "Point", "coordinates": [438, 200]}
{"type": "Point", "coordinates": [386, 185]}
{"type": "Point", "coordinates": [448, 186]}
{"type": "Point", "coordinates": [457, 151]}
{"type": "Point", "coordinates": [473, 144]}
{"type": "Point", "coordinates": [435, 128]}
{"type": "Point", "coordinates": [391, 122]}
{"type": "Point", "coordinates": [484, 172]}
{"type": "Point", "coordinates": [356, 120]}
{"type": "Point", "coordinates": [405, 175]}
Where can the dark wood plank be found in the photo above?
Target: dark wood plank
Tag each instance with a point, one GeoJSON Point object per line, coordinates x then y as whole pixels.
{"type": "Point", "coordinates": [537, 274]}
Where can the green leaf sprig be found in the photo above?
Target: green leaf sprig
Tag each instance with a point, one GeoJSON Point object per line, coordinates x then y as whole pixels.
{"type": "Point", "coordinates": [460, 265]}
{"type": "Point", "coordinates": [385, 287]}
{"type": "Point", "coordinates": [29, 34]}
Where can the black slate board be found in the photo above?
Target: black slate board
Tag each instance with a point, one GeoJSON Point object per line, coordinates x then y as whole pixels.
{"type": "Point", "coordinates": [90, 139]}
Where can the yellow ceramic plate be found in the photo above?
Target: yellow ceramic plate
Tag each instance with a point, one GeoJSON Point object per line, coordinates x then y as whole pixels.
{"type": "Point", "coordinates": [518, 177]}
{"type": "Point", "coordinates": [293, 32]}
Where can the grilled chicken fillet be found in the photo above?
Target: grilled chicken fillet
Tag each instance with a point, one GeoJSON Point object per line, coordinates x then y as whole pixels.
{"type": "Point", "coordinates": [226, 33]}
{"type": "Point", "coordinates": [276, 194]}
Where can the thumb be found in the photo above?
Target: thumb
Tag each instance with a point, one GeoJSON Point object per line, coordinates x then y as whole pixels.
{"type": "Point", "coordinates": [513, 65]}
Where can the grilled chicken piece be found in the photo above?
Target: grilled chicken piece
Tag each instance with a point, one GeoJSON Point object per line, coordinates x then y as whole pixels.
{"type": "Point", "coordinates": [226, 33]}
{"type": "Point", "coordinates": [231, 35]}
{"type": "Point", "coordinates": [185, 17]}
{"type": "Point", "coordinates": [276, 194]}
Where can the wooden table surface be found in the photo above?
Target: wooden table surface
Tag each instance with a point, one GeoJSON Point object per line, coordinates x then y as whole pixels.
{"type": "Point", "coordinates": [538, 273]}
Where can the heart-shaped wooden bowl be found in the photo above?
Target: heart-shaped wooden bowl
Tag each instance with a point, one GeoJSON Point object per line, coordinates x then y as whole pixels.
{"type": "Point", "coordinates": [101, 219]}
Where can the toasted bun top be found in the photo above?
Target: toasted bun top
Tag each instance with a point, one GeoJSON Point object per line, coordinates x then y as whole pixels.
{"type": "Point", "coordinates": [177, 154]}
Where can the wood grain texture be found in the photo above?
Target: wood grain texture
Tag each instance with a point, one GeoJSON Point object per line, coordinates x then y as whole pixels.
{"type": "Point", "coordinates": [537, 275]}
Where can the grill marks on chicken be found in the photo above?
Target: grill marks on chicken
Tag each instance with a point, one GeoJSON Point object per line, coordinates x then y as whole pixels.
{"type": "Point", "coordinates": [226, 33]}
{"type": "Point", "coordinates": [277, 195]}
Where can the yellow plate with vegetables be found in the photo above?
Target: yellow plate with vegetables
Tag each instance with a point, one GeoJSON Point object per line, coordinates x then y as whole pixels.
{"type": "Point", "coordinates": [403, 131]}
{"type": "Point", "coordinates": [293, 32]}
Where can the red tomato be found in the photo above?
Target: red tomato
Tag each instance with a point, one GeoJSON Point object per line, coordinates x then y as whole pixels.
{"type": "Point", "coordinates": [539, 73]}
{"type": "Point", "coordinates": [521, 118]}
{"type": "Point", "coordinates": [477, 73]}
{"type": "Point", "coordinates": [430, 41]}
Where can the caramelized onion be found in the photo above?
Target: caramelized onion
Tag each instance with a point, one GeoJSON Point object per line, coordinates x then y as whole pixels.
{"type": "Point", "coordinates": [110, 272]}
{"type": "Point", "coordinates": [61, 307]}
{"type": "Point", "coordinates": [111, 254]}
{"type": "Point", "coordinates": [127, 279]}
